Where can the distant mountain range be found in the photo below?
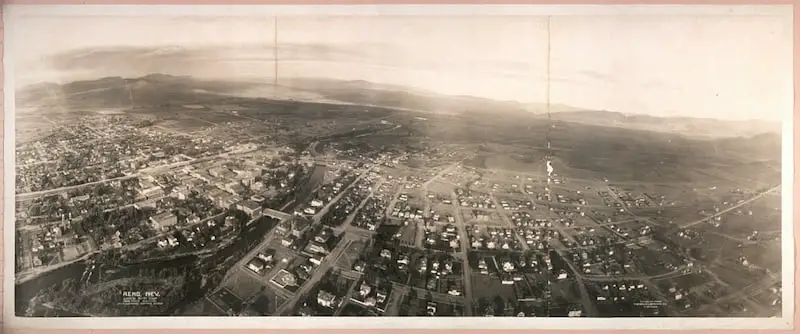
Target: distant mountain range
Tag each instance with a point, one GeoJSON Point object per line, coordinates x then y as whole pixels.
{"type": "Point", "coordinates": [117, 92]}
{"type": "Point", "coordinates": [360, 91]}
{"type": "Point", "coordinates": [160, 89]}
{"type": "Point", "coordinates": [699, 127]}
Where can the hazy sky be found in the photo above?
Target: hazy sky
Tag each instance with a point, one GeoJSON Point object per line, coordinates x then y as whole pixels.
{"type": "Point", "coordinates": [721, 67]}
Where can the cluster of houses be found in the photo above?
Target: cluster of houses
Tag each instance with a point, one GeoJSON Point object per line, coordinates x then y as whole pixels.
{"type": "Point", "coordinates": [233, 181]}
{"type": "Point", "coordinates": [480, 216]}
{"type": "Point", "coordinates": [317, 247]}
{"type": "Point", "coordinates": [515, 205]}
{"type": "Point", "coordinates": [514, 187]}
{"type": "Point", "coordinates": [494, 238]}
{"type": "Point", "coordinates": [642, 201]}
{"type": "Point", "coordinates": [46, 242]}
{"type": "Point", "coordinates": [370, 296]}
{"type": "Point", "coordinates": [197, 236]}
{"type": "Point", "coordinates": [405, 210]}
{"type": "Point", "coordinates": [263, 261]}
{"type": "Point", "coordinates": [371, 214]}
{"type": "Point", "coordinates": [610, 201]}
{"type": "Point", "coordinates": [625, 291]}
{"type": "Point", "coordinates": [512, 270]}
{"type": "Point", "coordinates": [324, 195]}
{"type": "Point", "coordinates": [536, 232]}
{"type": "Point", "coordinates": [436, 269]}
{"type": "Point", "coordinates": [292, 230]}
{"type": "Point", "coordinates": [470, 199]}
{"type": "Point", "coordinates": [446, 239]}
{"type": "Point", "coordinates": [438, 218]}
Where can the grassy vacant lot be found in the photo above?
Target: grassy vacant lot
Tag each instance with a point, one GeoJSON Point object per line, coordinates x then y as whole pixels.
{"type": "Point", "coordinates": [767, 256]}
{"type": "Point", "coordinates": [243, 284]}
{"type": "Point", "coordinates": [351, 255]}
{"type": "Point", "coordinates": [489, 287]}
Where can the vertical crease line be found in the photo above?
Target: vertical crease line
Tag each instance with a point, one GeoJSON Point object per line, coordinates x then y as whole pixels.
{"type": "Point", "coordinates": [549, 152]}
{"type": "Point", "coordinates": [275, 50]}
{"type": "Point", "coordinates": [548, 301]}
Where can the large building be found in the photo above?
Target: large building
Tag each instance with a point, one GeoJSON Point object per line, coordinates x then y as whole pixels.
{"type": "Point", "coordinates": [151, 192]}
{"type": "Point", "coordinates": [163, 221]}
{"type": "Point", "coordinates": [249, 207]}
{"type": "Point", "coordinates": [235, 188]}
{"type": "Point", "coordinates": [299, 226]}
{"type": "Point", "coordinates": [147, 204]}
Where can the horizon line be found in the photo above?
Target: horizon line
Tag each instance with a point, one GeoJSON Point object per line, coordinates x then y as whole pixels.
{"type": "Point", "coordinates": [525, 105]}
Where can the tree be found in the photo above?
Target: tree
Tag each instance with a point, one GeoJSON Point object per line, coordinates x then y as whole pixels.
{"type": "Point", "coordinates": [412, 294]}
{"type": "Point", "coordinates": [499, 304]}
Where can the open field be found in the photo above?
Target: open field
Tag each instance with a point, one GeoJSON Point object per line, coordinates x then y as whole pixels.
{"type": "Point", "coordinates": [243, 284]}
{"type": "Point", "coordinates": [767, 256]}
{"type": "Point", "coordinates": [489, 287]}
{"type": "Point", "coordinates": [31, 128]}
{"type": "Point", "coordinates": [350, 255]}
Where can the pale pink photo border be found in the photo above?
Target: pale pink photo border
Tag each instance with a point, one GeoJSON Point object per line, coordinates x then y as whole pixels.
{"type": "Point", "coordinates": [796, 127]}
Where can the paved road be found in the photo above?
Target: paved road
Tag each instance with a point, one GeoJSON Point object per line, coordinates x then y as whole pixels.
{"type": "Point", "coordinates": [45, 162]}
{"type": "Point", "coordinates": [321, 271]}
{"type": "Point", "coordinates": [462, 231]}
{"type": "Point", "coordinates": [352, 216]}
{"type": "Point", "coordinates": [39, 226]}
{"type": "Point", "coordinates": [436, 296]}
{"type": "Point", "coordinates": [152, 170]}
{"type": "Point", "coordinates": [439, 174]}
{"type": "Point", "coordinates": [276, 214]}
{"type": "Point", "coordinates": [586, 299]}
{"type": "Point", "coordinates": [619, 222]}
{"type": "Point", "coordinates": [395, 199]}
{"type": "Point", "coordinates": [614, 278]}
{"type": "Point", "coordinates": [347, 298]}
{"type": "Point", "coordinates": [380, 131]}
{"type": "Point", "coordinates": [743, 241]}
{"type": "Point", "coordinates": [267, 238]}
{"type": "Point", "coordinates": [746, 292]}
{"type": "Point", "coordinates": [722, 212]}
{"type": "Point", "coordinates": [330, 260]}
{"type": "Point", "coordinates": [318, 216]}
{"type": "Point", "coordinates": [508, 223]}
{"type": "Point", "coordinates": [425, 185]}
{"type": "Point", "coordinates": [35, 194]}
{"type": "Point", "coordinates": [159, 169]}
{"type": "Point", "coordinates": [618, 199]}
{"type": "Point", "coordinates": [393, 305]}
{"type": "Point", "coordinates": [246, 258]}
{"type": "Point", "coordinates": [703, 220]}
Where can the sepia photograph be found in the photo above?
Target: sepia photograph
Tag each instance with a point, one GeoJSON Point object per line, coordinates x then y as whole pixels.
{"type": "Point", "coordinates": [383, 163]}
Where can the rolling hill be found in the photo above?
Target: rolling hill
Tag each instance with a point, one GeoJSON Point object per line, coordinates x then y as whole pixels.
{"type": "Point", "coordinates": [117, 92]}
{"type": "Point", "coordinates": [160, 89]}
{"type": "Point", "coordinates": [696, 127]}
